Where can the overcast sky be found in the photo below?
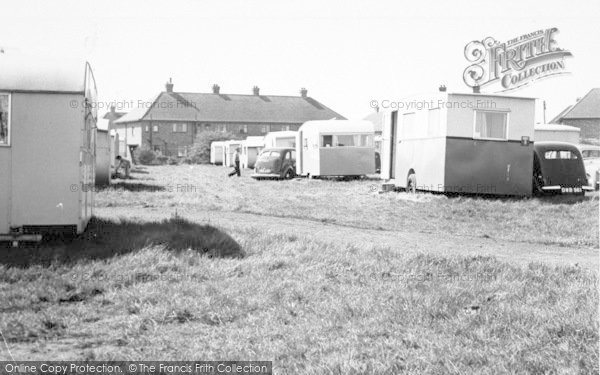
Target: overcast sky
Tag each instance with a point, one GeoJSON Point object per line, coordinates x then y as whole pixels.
{"type": "Point", "coordinates": [346, 53]}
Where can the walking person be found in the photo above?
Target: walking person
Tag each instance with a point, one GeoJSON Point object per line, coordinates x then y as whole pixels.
{"type": "Point", "coordinates": [236, 160]}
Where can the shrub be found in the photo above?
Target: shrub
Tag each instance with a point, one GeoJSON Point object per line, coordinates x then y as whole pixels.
{"type": "Point", "coordinates": [146, 157]}
{"type": "Point", "coordinates": [172, 161]}
{"type": "Point", "coordinates": [162, 159]}
{"type": "Point", "coordinates": [200, 152]}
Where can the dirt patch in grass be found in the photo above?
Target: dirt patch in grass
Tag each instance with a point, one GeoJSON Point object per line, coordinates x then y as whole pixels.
{"type": "Point", "coordinates": [107, 238]}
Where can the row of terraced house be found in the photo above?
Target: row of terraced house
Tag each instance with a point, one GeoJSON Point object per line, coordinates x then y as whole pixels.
{"type": "Point", "coordinates": [174, 120]}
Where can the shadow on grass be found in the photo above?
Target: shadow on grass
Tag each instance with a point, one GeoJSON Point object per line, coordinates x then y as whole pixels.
{"type": "Point", "coordinates": [105, 239]}
{"type": "Point", "coordinates": [547, 199]}
{"type": "Point", "coordinates": [135, 187]}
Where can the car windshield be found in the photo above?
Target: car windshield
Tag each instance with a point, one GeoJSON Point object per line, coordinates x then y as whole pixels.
{"type": "Point", "coordinates": [268, 155]}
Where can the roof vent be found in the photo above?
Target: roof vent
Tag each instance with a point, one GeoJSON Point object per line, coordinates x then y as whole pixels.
{"type": "Point", "coordinates": [216, 88]}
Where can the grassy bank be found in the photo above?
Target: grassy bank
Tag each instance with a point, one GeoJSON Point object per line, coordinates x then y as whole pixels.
{"type": "Point", "coordinates": [309, 306]}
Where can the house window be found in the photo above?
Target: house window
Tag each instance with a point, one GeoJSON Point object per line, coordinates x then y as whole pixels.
{"type": "Point", "coordinates": [244, 129]}
{"type": "Point", "coordinates": [181, 151]}
{"type": "Point", "coordinates": [147, 128]}
{"type": "Point", "coordinates": [155, 128]}
{"type": "Point", "coordinates": [179, 128]}
{"type": "Point", "coordinates": [4, 120]}
{"type": "Point", "coordinates": [132, 130]}
{"type": "Point", "coordinates": [264, 129]}
{"type": "Point", "coordinates": [491, 125]}
{"type": "Point", "coordinates": [207, 126]}
{"type": "Point", "coordinates": [326, 140]}
{"type": "Point", "coordinates": [286, 127]}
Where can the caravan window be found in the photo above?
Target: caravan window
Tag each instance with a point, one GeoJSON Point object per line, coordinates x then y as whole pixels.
{"type": "Point", "coordinates": [343, 140]}
{"type": "Point", "coordinates": [492, 125]}
{"type": "Point", "coordinates": [326, 140]}
{"type": "Point", "coordinates": [364, 140]}
{"type": "Point", "coordinates": [4, 119]}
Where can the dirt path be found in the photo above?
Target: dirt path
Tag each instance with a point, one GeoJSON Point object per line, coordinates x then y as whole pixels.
{"type": "Point", "coordinates": [409, 242]}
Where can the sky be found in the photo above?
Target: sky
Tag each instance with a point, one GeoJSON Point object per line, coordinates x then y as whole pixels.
{"type": "Point", "coordinates": [346, 53]}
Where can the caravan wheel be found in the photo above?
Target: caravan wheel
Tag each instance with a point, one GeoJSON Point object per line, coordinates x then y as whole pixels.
{"type": "Point", "coordinates": [411, 184]}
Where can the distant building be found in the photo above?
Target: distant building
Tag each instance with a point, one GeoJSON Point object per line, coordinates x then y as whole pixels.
{"type": "Point", "coordinates": [172, 120]}
{"type": "Point", "coordinates": [585, 115]}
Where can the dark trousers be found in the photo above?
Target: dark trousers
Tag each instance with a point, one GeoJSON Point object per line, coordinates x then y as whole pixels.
{"type": "Point", "coordinates": [236, 170]}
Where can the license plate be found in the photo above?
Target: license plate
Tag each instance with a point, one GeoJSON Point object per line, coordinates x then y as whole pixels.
{"type": "Point", "coordinates": [568, 190]}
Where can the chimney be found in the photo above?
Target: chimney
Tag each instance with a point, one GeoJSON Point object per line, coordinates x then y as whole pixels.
{"type": "Point", "coordinates": [169, 85]}
{"type": "Point", "coordinates": [303, 92]}
{"type": "Point", "coordinates": [476, 90]}
{"type": "Point", "coordinates": [216, 88]}
{"type": "Point", "coordinates": [255, 90]}
{"type": "Point", "coordinates": [112, 108]}
{"type": "Point", "coordinates": [442, 88]}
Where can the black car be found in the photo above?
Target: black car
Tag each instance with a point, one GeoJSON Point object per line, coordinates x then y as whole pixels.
{"type": "Point", "coordinates": [275, 163]}
{"type": "Point", "coordinates": [558, 168]}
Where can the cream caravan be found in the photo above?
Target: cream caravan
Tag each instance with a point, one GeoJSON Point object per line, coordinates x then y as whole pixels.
{"type": "Point", "coordinates": [285, 139]}
{"type": "Point", "coordinates": [217, 152]}
{"type": "Point", "coordinates": [44, 187]}
{"type": "Point", "coordinates": [229, 148]}
{"type": "Point", "coordinates": [251, 147]}
{"type": "Point", "coordinates": [460, 143]}
{"type": "Point", "coordinates": [335, 148]}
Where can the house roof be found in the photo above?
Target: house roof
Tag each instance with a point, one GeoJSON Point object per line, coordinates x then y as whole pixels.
{"type": "Point", "coordinates": [377, 119]}
{"type": "Point", "coordinates": [183, 106]}
{"type": "Point", "coordinates": [586, 108]}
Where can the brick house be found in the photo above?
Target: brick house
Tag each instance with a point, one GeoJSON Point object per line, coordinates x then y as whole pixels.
{"type": "Point", "coordinates": [585, 115]}
{"type": "Point", "coordinates": [171, 121]}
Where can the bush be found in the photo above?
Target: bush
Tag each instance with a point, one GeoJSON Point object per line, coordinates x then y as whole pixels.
{"type": "Point", "coordinates": [146, 157]}
{"type": "Point", "coordinates": [172, 161]}
{"type": "Point", "coordinates": [200, 152]}
{"type": "Point", "coordinates": [162, 159]}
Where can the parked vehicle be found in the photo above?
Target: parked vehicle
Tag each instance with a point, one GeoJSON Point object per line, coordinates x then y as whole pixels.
{"type": "Point", "coordinates": [281, 139]}
{"type": "Point", "coordinates": [250, 150]}
{"type": "Point", "coordinates": [217, 152]}
{"type": "Point", "coordinates": [558, 168]}
{"type": "Point", "coordinates": [556, 133]}
{"type": "Point", "coordinates": [336, 148]}
{"type": "Point", "coordinates": [591, 161]}
{"type": "Point", "coordinates": [276, 163]}
{"type": "Point", "coordinates": [460, 143]}
{"type": "Point", "coordinates": [47, 148]}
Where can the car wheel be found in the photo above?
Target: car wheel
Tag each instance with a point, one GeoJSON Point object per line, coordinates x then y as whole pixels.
{"type": "Point", "coordinates": [289, 174]}
{"type": "Point", "coordinates": [411, 184]}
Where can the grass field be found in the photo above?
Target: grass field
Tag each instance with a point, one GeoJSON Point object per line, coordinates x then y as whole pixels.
{"type": "Point", "coordinates": [319, 277]}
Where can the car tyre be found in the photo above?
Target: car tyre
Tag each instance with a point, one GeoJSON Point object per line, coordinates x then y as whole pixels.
{"type": "Point", "coordinates": [289, 174]}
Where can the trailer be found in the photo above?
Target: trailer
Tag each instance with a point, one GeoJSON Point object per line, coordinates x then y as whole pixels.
{"type": "Point", "coordinates": [281, 139]}
{"type": "Point", "coordinates": [217, 152]}
{"type": "Point", "coordinates": [460, 143]}
{"type": "Point", "coordinates": [229, 148]}
{"type": "Point", "coordinates": [251, 147]}
{"type": "Point", "coordinates": [556, 133]}
{"type": "Point", "coordinates": [335, 148]}
{"type": "Point", "coordinates": [47, 141]}
{"type": "Point", "coordinates": [103, 157]}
